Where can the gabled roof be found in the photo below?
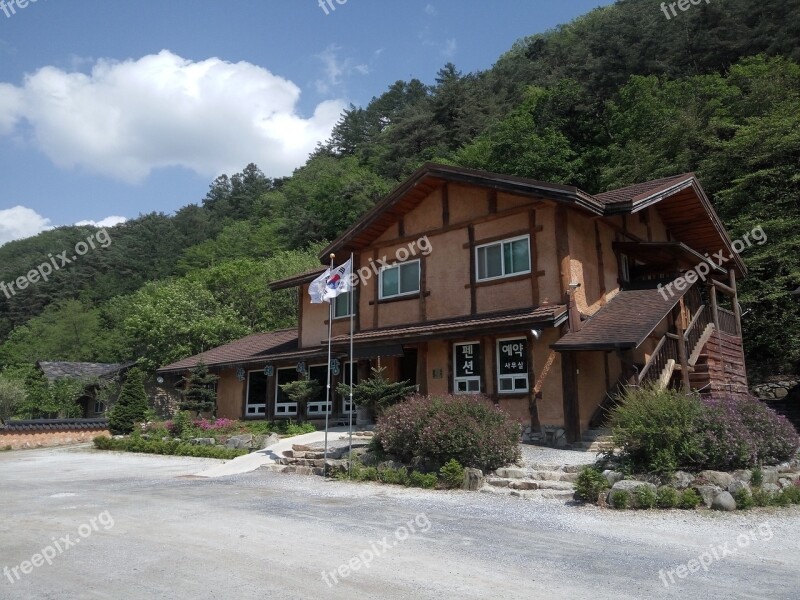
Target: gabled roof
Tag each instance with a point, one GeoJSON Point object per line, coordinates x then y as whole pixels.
{"type": "Point", "coordinates": [240, 351]}
{"type": "Point", "coordinates": [81, 370]}
{"type": "Point", "coordinates": [624, 323]}
{"type": "Point", "coordinates": [641, 191]}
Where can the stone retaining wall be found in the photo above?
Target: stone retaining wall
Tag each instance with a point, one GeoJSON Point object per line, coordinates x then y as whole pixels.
{"type": "Point", "coordinates": [775, 390]}
{"type": "Point", "coordinates": [46, 433]}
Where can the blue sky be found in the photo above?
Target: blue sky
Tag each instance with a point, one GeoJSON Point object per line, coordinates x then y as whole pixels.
{"type": "Point", "coordinates": [112, 108]}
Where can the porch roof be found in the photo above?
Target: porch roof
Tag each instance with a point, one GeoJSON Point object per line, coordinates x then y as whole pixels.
{"type": "Point", "coordinates": [666, 254]}
{"type": "Point", "coordinates": [547, 315]}
{"type": "Point", "coordinates": [624, 323]}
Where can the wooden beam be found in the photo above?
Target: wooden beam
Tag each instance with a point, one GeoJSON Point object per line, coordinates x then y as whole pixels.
{"type": "Point", "coordinates": [680, 325]}
{"type": "Point", "coordinates": [422, 368]}
{"type": "Point", "coordinates": [735, 299]}
{"type": "Point", "coordinates": [375, 296]}
{"type": "Point", "coordinates": [601, 271]}
{"type": "Point", "coordinates": [473, 292]}
{"type": "Point", "coordinates": [534, 256]}
{"type": "Point", "coordinates": [712, 293]}
{"type": "Point", "coordinates": [724, 288]}
{"type": "Point", "coordinates": [445, 205]}
{"type": "Point", "coordinates": [562, 249]}
{"type": "Point", "coordinates": [492, 201]}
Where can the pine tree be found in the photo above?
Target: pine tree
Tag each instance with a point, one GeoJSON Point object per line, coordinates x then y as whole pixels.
{"type": "Point", "coordinates": [199, 393]}
{"type": "Point", "coordinates": [131, 407]}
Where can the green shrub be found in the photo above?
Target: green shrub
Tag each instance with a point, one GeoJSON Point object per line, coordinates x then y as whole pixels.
{"type": "Point", "coordinates": [299, 428]}
{"type": "Point", "coordinates": [171, 447]}
{"type": "Point", "coordinates": [645, 497]}
{"type": "Point", "coordinates": [791, 494]}
{"type": "Point", "coordinates": [744, 499]}
{"type": "Point", "coordinates": [423, 480]}
{"type": "Point", "coordinates": [761, 497]}
{"type": "Point", "coordinates": [182, 426]}
{"type": "Point", "coordinates": [656, 429]}
{"type": "Point", "coordinates": [619, 499]}
{"type": "Point", "coordinates": [590, 484]}
{"type": "Point", "coordinates": [690, 499]}
{"type": "Point", "coordinates": [452, 474]}
{"type": "Point", "coordinates": [131, 406]}
{"type": "Point", "coordinates": [757, 478]}
{"type": "Point", "coordinates": [667, 497]}
{"type": "Point", "coordinates": [431, 430]}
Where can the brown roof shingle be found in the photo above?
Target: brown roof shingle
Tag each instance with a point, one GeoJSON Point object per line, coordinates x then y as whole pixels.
{"type": "Point", "coordinates": [239, 351]}
{"type": "Point", "coordinates": [623, 323]}
{"type": "Point", "coordinates": [639, 191]}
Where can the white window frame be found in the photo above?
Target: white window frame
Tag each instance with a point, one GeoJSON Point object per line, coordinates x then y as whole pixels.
{"type": "Point", "coordinates": [346, 407]}
{"type": "Point", "coordinates": [350, 308]}
{"type": "Point", "coordinates": [516, 377]}
{"type": "Point", "coordinates": [400, 266]}
{"type": "Point", "coordinates": [284, 409]}
{"type": "Point", "coordinates": [501, 243]}
{"type": "Point", "coordinates": [258, 410]}
{"type": "Point", "coordinates": [467, 380]}
{"type": "Point", "coordinates": [99, 404]}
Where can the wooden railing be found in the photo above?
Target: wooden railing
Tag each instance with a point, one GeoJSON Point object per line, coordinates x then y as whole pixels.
{"type": "Point", "coordinates": [696, 328]}
{"type": "Point", "coordinates": [727, 321]}
{"type": "Point", "coordinates": [666, 350]}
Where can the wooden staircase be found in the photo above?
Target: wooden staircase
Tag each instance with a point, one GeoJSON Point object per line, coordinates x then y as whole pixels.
{"type": "Point", "coordinates": [720, 365]}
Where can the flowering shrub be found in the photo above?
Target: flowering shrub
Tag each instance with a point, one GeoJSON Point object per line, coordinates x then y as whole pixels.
{"type": "Point", "coordinates": [428, 431]}
{"type": "Point", "coordinates": [661, 431]}
{"type": "Point", "coordinates": [216, 425]}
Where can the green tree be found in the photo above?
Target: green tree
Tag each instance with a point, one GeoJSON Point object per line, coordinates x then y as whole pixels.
{"type": "Point", "coordinates": [199, 394]}
{"type": "Point", "coordinates": [12, 397]}
{"type": "Point", "coordinates": [302, 391]}
{"type": "Point", "coordinates": [131, 406]}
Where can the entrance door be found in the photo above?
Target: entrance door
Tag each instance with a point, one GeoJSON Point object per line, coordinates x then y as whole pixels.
{"type": "Point", "coordinates": [408, 366]}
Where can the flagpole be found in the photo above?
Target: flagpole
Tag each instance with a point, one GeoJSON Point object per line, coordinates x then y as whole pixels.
{"type": "Point", "coordinates": [352, 321]}
{"type": "Point", "coordinates": [328, 389]}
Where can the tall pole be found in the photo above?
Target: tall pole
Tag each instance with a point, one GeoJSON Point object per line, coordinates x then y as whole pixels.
{"type": "Point", "coordinates": [352, 320]}
{"type": "Point", "coordinates": [328, 388]}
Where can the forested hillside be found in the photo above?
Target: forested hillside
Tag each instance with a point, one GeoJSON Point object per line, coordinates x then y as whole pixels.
{"type": "Point", "coordinates": [619, 96]}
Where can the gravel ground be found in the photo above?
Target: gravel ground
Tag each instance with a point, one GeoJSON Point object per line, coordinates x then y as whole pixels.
{"type": "Point", "coordinates": [268, 535]}
{"type": "Point", "coordinates": [552, 456]}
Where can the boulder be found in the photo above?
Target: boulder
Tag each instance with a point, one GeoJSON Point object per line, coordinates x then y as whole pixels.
{"type": "Point", "coordinates": [202, 441]}
{"type": "Point", "coordinates": [613, 476]}
{"type": "Point", "coordinates": [629, 487]}
{"type": "Point", "coordinates": [772, 488]}
{"type": "Point", "coordinates": [723, 501]}
{"type": "Point", "coordinates": [784, 483]}
{"type": "Point", "coordinates": [683, 480]}
{"type": "Point", "coordinates": [511, 473]}
{"type": "Point", "coordinates": [519, 484]}
{"type": "Point", "coordinates": [239, 442]}
{"type": "Point", "coordinates": [390, 464]}
{"type": "Point", "coordinates": [302, 448]}
{"type": "Point", "coordinates": [270, 440]}
{"type": "Point", "coordinates": [770, 475]}
{"type": "Point", "coordinates": [737, 485]}
{"type": "Point", "coordinates": [743, 475]}
{"type": "Point", "coordinates": [717, 478]}
{"type": "Point", "coordinates": [473, 479]}
{"type": "Point", "coordinates": [708, 493]}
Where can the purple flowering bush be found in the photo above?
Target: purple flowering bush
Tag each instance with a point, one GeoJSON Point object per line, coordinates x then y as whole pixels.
{"type": "Point", "coordinates": [428, 431]}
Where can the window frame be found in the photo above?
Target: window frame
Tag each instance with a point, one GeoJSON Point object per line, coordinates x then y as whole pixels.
{"type": "Point", "coordinates": [470, 379]}
{"type": "Point", "coordinates": [513, 378]}
{"type": "Point", "coordinates": [350, 307]}
{"type": "Point", "coordinates": [263, 406]}
{"type": "Point", "coordinates": [400, 266]}
{"type": "Point", "coordinates": [502, 244]}
{"type": "Point", "coordinates": [283, 409]}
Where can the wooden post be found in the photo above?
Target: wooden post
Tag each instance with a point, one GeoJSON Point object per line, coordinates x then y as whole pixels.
{"type": "Point", "coordinates": [680, 326]}
{"type": "Point", "coordinates": [735, 299]}
{"type": "Point", "coordinates": [569, 386]}
{"type": "Point", "coordinates": [712, 292]}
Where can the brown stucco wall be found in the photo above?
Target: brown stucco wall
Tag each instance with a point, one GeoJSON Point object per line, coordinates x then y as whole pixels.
{"type": "Point", "coordinates": [230, 395]}
{"type": "Point", "coordinates": [46, 439]}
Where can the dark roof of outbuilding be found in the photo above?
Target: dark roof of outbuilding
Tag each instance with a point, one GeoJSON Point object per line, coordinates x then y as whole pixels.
{"type": "Point", "coordinates": [55, 425]}
{"type": "Point", "coordinates": [81, 370]}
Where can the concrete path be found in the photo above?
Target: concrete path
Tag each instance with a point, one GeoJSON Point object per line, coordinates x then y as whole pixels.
{"type": "Point", "coordinates": [269, 455]}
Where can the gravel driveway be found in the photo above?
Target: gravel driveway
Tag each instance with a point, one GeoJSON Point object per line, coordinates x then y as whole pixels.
{"type": "Point", "coordinates": [141, 527]}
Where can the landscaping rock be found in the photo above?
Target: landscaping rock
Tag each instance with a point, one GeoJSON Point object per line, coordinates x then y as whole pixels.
{"type": "Point", "coordinates": [473, 479]}
{"type": "Point", "coordinates": [511, 473]}
{"type": "Point", "coordinates": [523, 485]}
{"type": "Point", "coordinates": [240, 442]}
{"type": "Point", "coordinates": [497, 482]}
{"type": "Point", "coordinates": [270, 440]}
{"type": "Point", "coordinates": [613, 476]}
{"type": "Point", "coordinates": [202, 441]}
{"type": "Point", "coordinates": [708, 493]}
{"type": "Point", "coordinates": [717, 478]}
{"type": "Point", "coordinates": [772, 488]}
{"type": "Point", "coordinates": [683, 480]}
{"type": "Point", "coordinates": [743, 475]}
{"type": "Point", "coordinates": [784, 483]}
{"type": "Point", "coordinates": [737, 485]}
{"type": "Point", "coordinates": [390, 464]}
{"type": "Point", "coordinates": [302, 448]}
{"type": "Point", "coordinates": [629, 487]}
{"type": "Point", "coordinates": [723, 501]}
{"type": "Point", "coordinates": [770, 475]}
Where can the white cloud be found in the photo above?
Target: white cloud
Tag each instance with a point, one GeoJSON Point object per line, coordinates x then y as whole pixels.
{"type": "Point", "coordinates": [124, 119]}
{"type": "Point", "coordinates": [20, 222]}
{"type": "Point", "coordinates": [335, 69]}
{"type": "Point", "coordinates": [107, 222]}
{"type": "Point", "coordinates": [430, 9]}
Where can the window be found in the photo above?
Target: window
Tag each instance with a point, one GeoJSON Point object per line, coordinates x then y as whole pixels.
{"type": "Point", "coordinates": [256, 394]}
{"type": "Point", "coordinates": [284, 408]}
{"type": "Point", "coordinates": [346, 407]}
{"type": "Point", "coordinates": [467, 368]}
{"type": "Point", "coordinates": [624, 268]}
{"type": "Point", "coordinates": [99, 407]}
{"type": "Point", "coordinates": [512, 365]}
{"type": "Point", "coordinates": [400, 280]}
{"type": "Point", "coordinates": [341, 305]}
{"type": "Point", "coordinates": [503, 259]}
{"type": "Point", "coordinates": [318, 406]}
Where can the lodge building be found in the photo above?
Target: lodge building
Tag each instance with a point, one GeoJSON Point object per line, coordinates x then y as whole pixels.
{"type": "Point", "coordinates": [540, 296]}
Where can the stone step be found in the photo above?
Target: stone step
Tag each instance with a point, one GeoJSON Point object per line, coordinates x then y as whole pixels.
{"type": "Point", "coordinates": [546, 494]}
{"type": "Point", "coordinates": [529, 484]}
